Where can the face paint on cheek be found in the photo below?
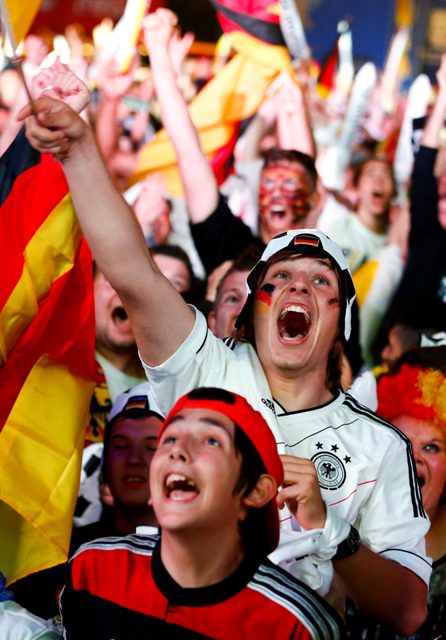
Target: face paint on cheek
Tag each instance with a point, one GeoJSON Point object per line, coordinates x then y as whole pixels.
{"type": "Point", "coordinates": [299, 205]}
{"type": "Point", "coordinates": [264, 297]}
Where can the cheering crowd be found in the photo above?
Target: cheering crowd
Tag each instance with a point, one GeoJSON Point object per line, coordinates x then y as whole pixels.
{"type": "Point", "coordinates": [266, 450]}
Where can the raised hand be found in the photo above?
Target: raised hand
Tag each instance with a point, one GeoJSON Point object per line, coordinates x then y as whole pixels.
{"type": "Point", "coordinates": [59, 82]}
{"type": "Point", "coordinates": [55, 128]}
{"type": "Point", "coordinates": [152, 210]}
{"type": "Point", "coordinates": [112, 83]}
{"type": "Point", "coordinates": [301, 492]}
{"type": "Point", "coordinates": [159, 30]}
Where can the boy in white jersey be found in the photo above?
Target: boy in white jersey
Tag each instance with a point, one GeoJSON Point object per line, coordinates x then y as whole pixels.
{"type": "Point", "coordinates": [347, 467]}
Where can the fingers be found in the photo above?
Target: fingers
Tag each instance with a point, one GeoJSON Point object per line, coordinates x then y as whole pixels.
{"type": "Point", "coordinates": [301, 492]}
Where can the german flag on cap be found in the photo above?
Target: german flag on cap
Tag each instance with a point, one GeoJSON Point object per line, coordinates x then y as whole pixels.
{"type": "Point", "coordinates": [137, 402]}
{"type": "Point", "coordinates": [308, 240]}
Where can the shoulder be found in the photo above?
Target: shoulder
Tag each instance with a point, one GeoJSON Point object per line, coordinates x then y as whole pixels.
{"type": "Point", "coordinates": [134, 544]}
{"type": "Point", "coordinates": [371, 419]}
{"type": "Point", "coordinates": [286, 591]}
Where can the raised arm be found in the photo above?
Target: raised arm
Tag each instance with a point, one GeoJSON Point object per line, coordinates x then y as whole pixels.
{"type": "Point", "coordinates": [160, 318]}
{"type": "Point", "coordinates": [200, 186]}
{"type": "Point", "coordinates": [294, 129]}
{"type": "Point", "coordinates": [431, 133]}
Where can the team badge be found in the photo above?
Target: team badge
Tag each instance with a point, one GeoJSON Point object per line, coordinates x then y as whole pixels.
{"type": "Point", "coordinates": [330, 469]}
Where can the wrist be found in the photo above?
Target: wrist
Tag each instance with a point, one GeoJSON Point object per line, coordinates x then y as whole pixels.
{"type": "Point", "coordinates": [349, 546]}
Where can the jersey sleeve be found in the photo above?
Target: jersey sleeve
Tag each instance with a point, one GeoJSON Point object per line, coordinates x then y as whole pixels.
{"type": "Point", "coordinates": [196, 363]}
{"type": "Point", "coordinates": [393, 522]}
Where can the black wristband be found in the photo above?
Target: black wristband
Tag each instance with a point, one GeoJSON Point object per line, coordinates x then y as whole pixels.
{"type": "Point", "coordinates": [349, 546]}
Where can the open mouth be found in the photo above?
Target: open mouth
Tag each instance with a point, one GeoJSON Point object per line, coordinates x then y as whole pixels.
{"type": "Point", "coordinates": [178, 487]}
{"type": "Point", "coordinates": [277, 212]}
{"type": "Point", "coordinates": [421, 481]}
{"type": "Point", "coordinates": [378, 194]}
{"type": "Point", "coordinates": [294, 322]}
{"type": "Point", "coordinates": [119, 314]}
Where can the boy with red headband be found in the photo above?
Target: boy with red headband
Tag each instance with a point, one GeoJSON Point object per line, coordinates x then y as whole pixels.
{"type": "Point", "coordinates": [213, 482]}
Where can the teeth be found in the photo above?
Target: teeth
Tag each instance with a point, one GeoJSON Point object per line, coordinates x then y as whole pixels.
{"type": "Point", "coordinates": [173, 478]}
{"type": "Point", "coordinates": [297, 309]}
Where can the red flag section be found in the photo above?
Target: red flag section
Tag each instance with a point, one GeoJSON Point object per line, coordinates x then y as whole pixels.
{"type": "Point", "coordinates": [258, 18]}
{"type": "Point", "coordinates": [47, 368]}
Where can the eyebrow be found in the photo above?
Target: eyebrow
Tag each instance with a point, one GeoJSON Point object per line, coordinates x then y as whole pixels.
{"type": "Point", "coordinates": [123, 435]}
{"type": "Point", "coordinates": [325, 262]}
{"type": "Point", "coordinates": [211, 421]}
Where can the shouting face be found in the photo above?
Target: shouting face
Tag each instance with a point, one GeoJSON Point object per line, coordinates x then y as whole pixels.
{"type": "Point", "coordinates": [193, 475]}
{"type": "Point", "coordinates": [296, 315]}
{"type": "Point", "coordinates": [286, 196]}
{"type": "Point", "coordinates": [113, 330]}
{"type": "Point", "coordinates": [429, 448]}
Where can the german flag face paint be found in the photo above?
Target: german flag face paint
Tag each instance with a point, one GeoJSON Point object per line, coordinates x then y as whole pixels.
{"type": "Point", "coordinates": [264, 297]}
{"type": "Point", "coordinates": [285, 193]}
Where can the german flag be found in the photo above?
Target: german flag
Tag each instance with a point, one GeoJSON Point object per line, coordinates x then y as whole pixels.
{"type": "Point", "coordinates": [47, 370]}
{"type": "Point", "coordinates": [21, 14]}
{"type": "Point", "coordinates": [234, 94]}
{"type": "Point", "coordinates": [260, 19]}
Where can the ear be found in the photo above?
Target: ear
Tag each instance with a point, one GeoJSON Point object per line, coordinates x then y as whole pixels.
{"type": "Point", "coordinates": [314, 199]}
{"type": "Point", "coordinates": [264, 491]}
{"type": "Point", "coordinates": [212, 321]}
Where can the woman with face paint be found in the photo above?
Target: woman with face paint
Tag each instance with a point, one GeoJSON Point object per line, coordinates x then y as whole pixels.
{"type": "Point", "coordinates": [414, 400]}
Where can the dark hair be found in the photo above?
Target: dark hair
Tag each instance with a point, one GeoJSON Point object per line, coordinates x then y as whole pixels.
{"type": "Point", "coordinates": [252, 529]}
{"type": "Point", "coordinates": [174, 251]}
{"type": "Point", "coordinates": [418, 315]}
{"type": "Point", "coordinates": [275, 156]}
{"type": "Point", "coordinates": [244, 262]}
{"type": "Point", "coordinates": [197, 288]}
{"type": "Point", "coordinates": [425, 357]}
{"type": "Point", "coordinates": [245, 333]}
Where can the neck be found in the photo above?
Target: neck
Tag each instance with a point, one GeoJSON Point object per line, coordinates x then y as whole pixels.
{"type": "Point", "coordinates": [265, 235]}
{"type": "Point", "coordinates": [375, 223]}
{"type": "Point", "coordinates": [126, 361]}
{"type": "Point", "coordinates": [299, 392]}
{"type": "Point", "coordinates": [126, 519]}
{"type": "Point", "coordinates": [191, 559]}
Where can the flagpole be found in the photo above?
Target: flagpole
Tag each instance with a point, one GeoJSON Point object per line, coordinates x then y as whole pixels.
{"type": "Point", "coordinates": [16, 59]}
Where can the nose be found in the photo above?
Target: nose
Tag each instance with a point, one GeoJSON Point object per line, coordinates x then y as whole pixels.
{"type": "Point", "coordinates": [179, 451]}
{"type": "Point", "coordinates": [299, 284]}
{"type": "Point", "coordinates": [136, 456]}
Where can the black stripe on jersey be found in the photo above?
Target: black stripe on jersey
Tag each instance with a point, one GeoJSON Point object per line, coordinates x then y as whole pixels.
{"type": "Point", "coordinates": [89, 617]}
{"type": "Point", "coordinates": [306, 411]}
{"type": "Point", "coordinates": [429, 564]}
{"type": "Point", "coordinates": [143, 545]}
{"type": "Point", "coordinates": [203, 343]}
{"type": "Point", "coordinates": [230, 343]}
{"type": "Point", "coordinates": [415, 492]}
{"type": "Point", "coordinates": [319, 618]}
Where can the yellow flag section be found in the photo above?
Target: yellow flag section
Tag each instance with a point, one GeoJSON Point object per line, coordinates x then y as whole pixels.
{"type": "Point", "coordinates": [21, 15]}
{"type": "Point", "coordinates": [47, 370]}
{"type": "Point", "coordinates": [233, 95]}
{"type": "Point", "coordinates": [40, 458]}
